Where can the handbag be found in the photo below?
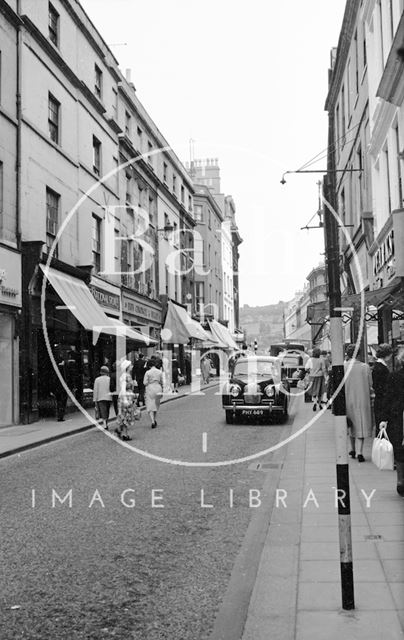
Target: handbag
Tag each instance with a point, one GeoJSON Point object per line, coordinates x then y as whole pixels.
{"type": "Point", "coordinates": [303, 384]}
{"type": "Point", "coordinates": [382, 451]}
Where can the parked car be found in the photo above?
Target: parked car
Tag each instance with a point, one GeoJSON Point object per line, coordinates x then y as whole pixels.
{"type": "Point", "coordinates": [256, 390]}
{"type": "Point", "coordinates": [293, 361]}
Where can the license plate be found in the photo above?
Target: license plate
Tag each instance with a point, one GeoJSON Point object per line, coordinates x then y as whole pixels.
{"type": "Point", "coordinates": [252, 412]}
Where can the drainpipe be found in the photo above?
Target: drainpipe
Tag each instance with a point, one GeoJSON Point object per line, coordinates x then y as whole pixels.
{"type": "Point", "coordinates": [19, 110]}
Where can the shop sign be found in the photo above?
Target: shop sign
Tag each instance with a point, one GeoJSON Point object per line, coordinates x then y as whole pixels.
{"type": "Point", "coordinates": [383, 259]}
{"type": "Point", "coordinates": [105, 298]}
{"type": "Point", "coordinates": [134, 308]}
{"type": "Point", "coordinates": [10, 278]}
{"type": "Point", "coordinates": [398, 226]}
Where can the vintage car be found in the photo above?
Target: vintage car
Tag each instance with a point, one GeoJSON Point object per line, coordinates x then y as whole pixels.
{"type": "Point", "coordinates": [256, 390]}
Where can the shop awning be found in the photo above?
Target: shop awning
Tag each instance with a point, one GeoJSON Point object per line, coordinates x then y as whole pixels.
{"type": "Point", "coordinates": [318, 312]}
{"type": "Point", "coordinates": [179, 327]}
{"type": "Point", "coordinates": [121, 328]}
{"type": "Point", "coordinates": [213, 342]}
{"type": "Point", "coordinates": [79, 300]}
{"type": "Point", "coordinates": [222, 333]}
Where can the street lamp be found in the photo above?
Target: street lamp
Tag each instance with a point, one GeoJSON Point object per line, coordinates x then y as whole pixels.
{"type": "Point", "coordinates": [283, 181]}
{"type": "Point", "coordinates": [166, 231]}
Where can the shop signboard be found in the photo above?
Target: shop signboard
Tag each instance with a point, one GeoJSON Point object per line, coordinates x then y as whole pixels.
{"type": "Point", "coordinates": [398, 226]}
{"type": "Point", "coordinates": [106, 298]}
{"type": "Point", "coordinates": [10, 277]}
{"type": "Point", "coordinates": [384, 261]}
{"type": "Point", "coordinates": [141, 311]}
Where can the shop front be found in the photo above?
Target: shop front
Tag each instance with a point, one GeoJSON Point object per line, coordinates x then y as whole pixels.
{"type": "Point", "coordinates": [74, 328]}
{"type": "Point", "coordinates": [108, 297]}
{"type": "Point", "coordinates": [143, 315]}
{"type": "Point", "coordinates": [387, 280]}
{"type": "Point", "coordinates": [10, 309]}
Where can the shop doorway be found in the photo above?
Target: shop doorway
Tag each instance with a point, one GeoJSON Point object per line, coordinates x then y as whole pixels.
{"type": "Point", "coordinates": [7, 368]}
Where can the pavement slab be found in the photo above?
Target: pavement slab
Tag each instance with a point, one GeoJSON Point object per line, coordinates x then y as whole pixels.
{"type": "Point", "coordinates": [307, 543]}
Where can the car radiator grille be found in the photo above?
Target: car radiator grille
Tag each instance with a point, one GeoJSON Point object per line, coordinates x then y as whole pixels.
{"type": "Point", "coordinates": [251, 398]}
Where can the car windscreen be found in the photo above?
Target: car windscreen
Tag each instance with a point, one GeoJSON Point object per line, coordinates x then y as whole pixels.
{"type": "Point", "coordinates": [256, 367]}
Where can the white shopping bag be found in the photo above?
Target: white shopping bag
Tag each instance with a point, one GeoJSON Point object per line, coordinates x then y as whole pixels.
{"type": "Point", "coordinates": [382, 451]}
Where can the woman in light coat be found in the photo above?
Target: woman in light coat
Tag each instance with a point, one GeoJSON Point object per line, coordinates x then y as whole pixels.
{"type": "Point", "coordinates": [358, 394]}
{"type": "Point", "coordinates": [154, 384]}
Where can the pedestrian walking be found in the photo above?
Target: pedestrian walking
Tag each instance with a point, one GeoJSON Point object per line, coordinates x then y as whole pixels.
{"type": "Point", "coordinates": [205, 369]}
{"type": "Point", "coordinates": [138, 371]}
{"type": "Point", "coordinates": [392, 413]}
{"type": "Point", "coordinates": [59, 390]}
{"type": "Point", "coordinates": [102, 396]}
{"type": "Point", "coordinates": [126, 401]}
{"type": "Point", "coordinates": [113, 389]}
{"type": "Point", "coordinates": [175, 373]}
{"type": "Point", "coordinates": [154, 383]}
{"type": "Point", "coordinates": [358, 394]}
{"type": "Point", "coordinates": [188, 369]}
{"type": "Point", "coordinates": [326, 355]}
{"type": "Point", "coordinates": [380, 374]}
{"type": "Point", "coordinates": [316, 369]}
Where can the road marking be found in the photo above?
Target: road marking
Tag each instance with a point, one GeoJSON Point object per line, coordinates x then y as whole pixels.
{"type": "Point", "coordinates": [204, 442]}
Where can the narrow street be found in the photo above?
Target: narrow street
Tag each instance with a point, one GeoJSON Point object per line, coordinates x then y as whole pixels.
{"type": "Point", "coordinates": [102, 569]}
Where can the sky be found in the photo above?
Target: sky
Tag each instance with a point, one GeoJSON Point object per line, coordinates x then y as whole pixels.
{"type": "Point", "coordinates": [247, 82]}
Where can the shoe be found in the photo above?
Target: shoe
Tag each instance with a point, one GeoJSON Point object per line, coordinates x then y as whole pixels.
{"type": "Point", "coordinates": [126, 438]}
{"type": "Point", "coordinates": [154, 425]}
{"type": "Point", "coordinates": [314, 407]}
{"type": "Point", "coordinates": [400, 478]}
{"type": "Point", "coordinates": [361, 458]}
{"type": "Point", "coordinates": [352, 454]}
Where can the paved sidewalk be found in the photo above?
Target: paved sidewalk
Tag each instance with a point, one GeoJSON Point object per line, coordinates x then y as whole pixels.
{"type": "Point", "coordinates": [297, 594]}
{"type": "Point", "coordinates": [21, 437]}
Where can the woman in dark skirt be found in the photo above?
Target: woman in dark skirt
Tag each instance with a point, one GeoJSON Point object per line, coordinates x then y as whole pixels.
{"type": "Point", "coordinates": [380, 373]}
{"type": "Point", "coordinates": [316, 368]}
{"type": "Point", "coordinates": [393, 408]}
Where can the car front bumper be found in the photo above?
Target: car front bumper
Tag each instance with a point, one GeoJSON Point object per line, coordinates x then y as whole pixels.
{"type": "Point", "coordinates": [254, 410]}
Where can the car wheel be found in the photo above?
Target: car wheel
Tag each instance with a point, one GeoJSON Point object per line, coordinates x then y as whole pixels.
{"type": "Point", "coordinates": [229, 417]}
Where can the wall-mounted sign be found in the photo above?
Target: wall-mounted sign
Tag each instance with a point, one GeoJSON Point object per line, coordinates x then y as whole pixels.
{"type": "Point", "coordinates": [105, 298]}
{"type": "Point", "coordinates": [141, 310]}
{"type": "Point", "coordinates": [384, 262]}
{"type": "Point", "coordinates": [10, 277]}
{"type": "Point", "coordinates": [384, 254]}
{"type": "Point", "coordinates": [398, 226]}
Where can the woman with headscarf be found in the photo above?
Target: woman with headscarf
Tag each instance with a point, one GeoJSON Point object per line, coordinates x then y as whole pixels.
{"type": "Point", "coordinates": [126, 401]}
{"type": "Point", "coordinates": [392, 412]}
{"type": "Point", "coordinates": [154, 383]}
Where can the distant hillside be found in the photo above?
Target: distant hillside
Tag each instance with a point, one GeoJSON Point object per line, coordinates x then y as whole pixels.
{"type": "Point", "coordinates": [263, 323]}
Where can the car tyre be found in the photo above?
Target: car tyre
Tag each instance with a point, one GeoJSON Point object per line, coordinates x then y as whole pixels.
{"type": "Point", "coordinates": [229, 416]}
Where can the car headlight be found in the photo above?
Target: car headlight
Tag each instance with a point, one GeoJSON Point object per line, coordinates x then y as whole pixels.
{"type": "Point", "coordinates": [269, 391]}
{"type": "Point", "coordinates": [234, 390]}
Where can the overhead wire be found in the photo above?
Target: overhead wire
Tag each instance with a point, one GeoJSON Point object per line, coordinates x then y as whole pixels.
{"type": "Point", "coordinates": [320, 155]}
